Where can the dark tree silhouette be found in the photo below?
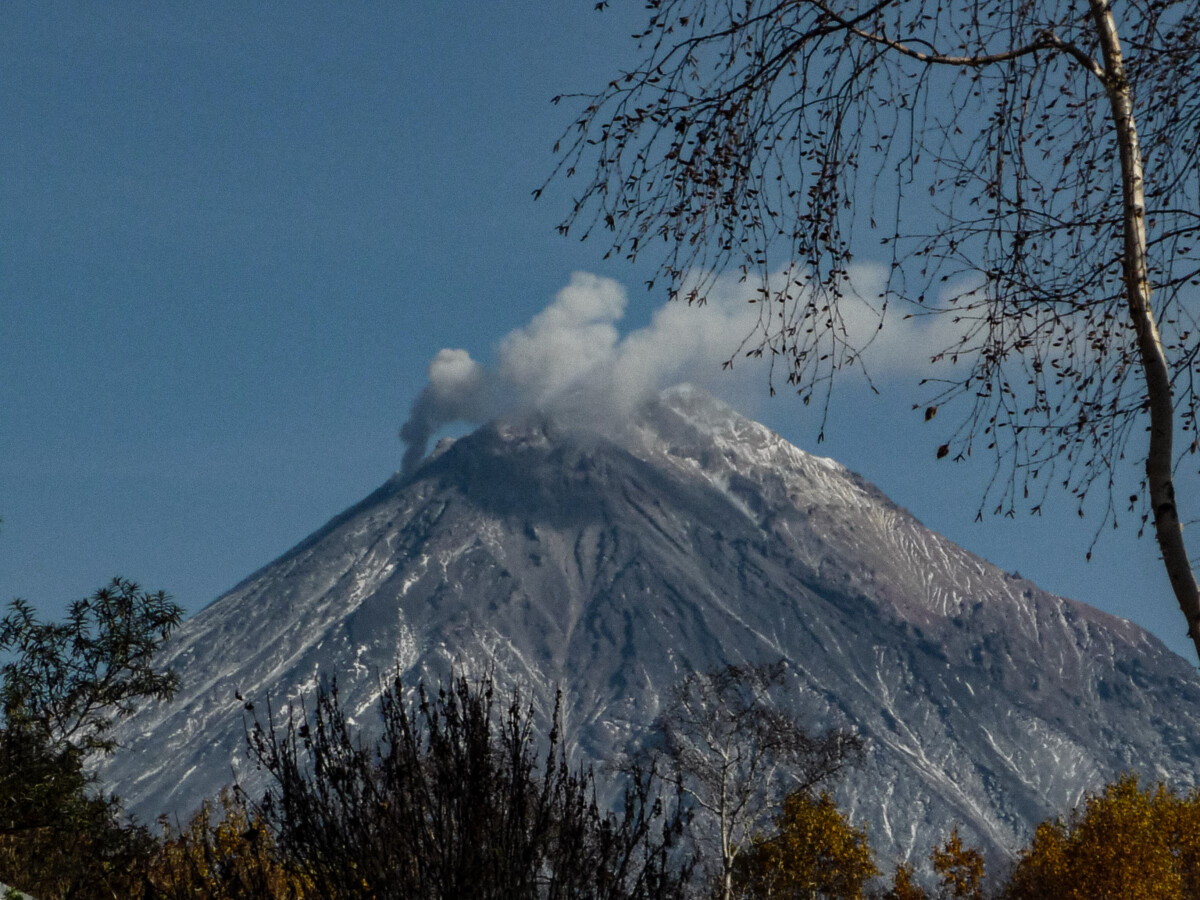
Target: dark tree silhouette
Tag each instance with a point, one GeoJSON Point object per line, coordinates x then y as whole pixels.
{"type": "Point", "coordinates": [64, 686]}
{"type": "Point", "coordinates": [70, 680]}
{"type": "Point", "coordinates": [452, 802]}
{"type": "Point", "coordinates": [1032, 168]}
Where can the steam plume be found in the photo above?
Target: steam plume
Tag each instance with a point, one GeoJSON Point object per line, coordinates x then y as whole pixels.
{"type": "Point", "coordinates": [457, 391]}
{"type": "Point", "coordinates": [571, 360]}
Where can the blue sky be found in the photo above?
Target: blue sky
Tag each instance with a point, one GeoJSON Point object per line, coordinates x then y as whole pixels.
{"type": "Point", "coordinates": [233, 236]}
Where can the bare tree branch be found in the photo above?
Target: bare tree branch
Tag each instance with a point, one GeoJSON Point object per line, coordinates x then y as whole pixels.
{"type": "Point", "coordinates": [727, 746]}
{"type": "Point", "coordinates": [1030, 171]}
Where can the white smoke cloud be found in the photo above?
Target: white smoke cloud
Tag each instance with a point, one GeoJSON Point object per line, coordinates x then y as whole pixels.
{"type": "Point", "coordinates": [572, 337]}
{"type": "Point", "coordinates": [572, 359]}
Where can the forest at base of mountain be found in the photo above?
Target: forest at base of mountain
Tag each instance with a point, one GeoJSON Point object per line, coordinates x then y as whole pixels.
{"type": "Point", "coordinates": [455, 799]}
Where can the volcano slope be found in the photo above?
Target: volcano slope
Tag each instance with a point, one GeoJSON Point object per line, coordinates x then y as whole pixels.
{"type": "Point", "coordinates": [686, 538]}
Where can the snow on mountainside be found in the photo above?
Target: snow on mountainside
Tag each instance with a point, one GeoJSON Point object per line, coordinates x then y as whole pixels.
{"type": "Point", "coordinates": [685, 539]}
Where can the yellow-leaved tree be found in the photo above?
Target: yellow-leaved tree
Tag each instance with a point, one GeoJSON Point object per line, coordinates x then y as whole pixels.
{"type": "Point", "coordinates": [959, 869]}
{"type": "Point", "coordinates": [815, 852]}
{"type": "Point", "coordinates": [904, 885]}
{"type": "Point", "coordinates": [1125, 843]}
{"type": "Point", "coordinates": [225, 854]}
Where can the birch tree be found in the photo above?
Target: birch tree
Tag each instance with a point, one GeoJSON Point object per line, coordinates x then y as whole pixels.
{"type": "Point", "coordinates": [1027, 167]}
{"type": "Point", "coordinates": [728, 749]}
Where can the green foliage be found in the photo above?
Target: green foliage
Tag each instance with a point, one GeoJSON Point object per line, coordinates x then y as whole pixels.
{"type": "Point", "coordinates": [87, 854]}
{"type": "Point", "coordinates": [65, 686]}
{"type": "Point", "coordinates": [815, 852]}
{"type": "Point", "coordinates": [36, 782]}
{"type": "Point", "coordinates": [453, 799]}
{"type": "Point", "coordinates": [70, 680]}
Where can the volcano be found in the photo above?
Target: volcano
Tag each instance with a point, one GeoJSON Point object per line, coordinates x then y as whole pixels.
{"type": "Point", "coordinates": [684, 538]}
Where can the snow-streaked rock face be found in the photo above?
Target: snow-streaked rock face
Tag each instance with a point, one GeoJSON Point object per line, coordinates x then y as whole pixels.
{"type": "Point", "coordinates": [694, 537]}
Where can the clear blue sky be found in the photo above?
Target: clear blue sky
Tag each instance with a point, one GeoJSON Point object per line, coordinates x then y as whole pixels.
{"type": "Point", "coordinates": [233, 235]}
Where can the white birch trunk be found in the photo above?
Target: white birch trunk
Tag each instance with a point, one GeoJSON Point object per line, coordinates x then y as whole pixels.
{"type": "Point", "coordinates": [1167, 528]}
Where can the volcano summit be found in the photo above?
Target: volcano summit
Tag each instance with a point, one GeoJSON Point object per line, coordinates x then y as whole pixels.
{"type": "Point", "coordinates": [686, 538]}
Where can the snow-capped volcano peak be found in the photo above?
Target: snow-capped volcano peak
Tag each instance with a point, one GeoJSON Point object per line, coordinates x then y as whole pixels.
{"type": "Point", "coordinates": [612, 560]}
{"type": "Point", "coordinates": [687, 425]}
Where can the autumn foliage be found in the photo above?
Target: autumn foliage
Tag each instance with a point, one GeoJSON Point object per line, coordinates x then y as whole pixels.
{"type": "Point", "coordinates": [459, 797]}
{"type": "Point", "coordinates": [905, 886]}
{"type": "Point", "coordinates": [225, 852]}
{"type": "Point", "coordinates": [959, 869]}
{"type": "Point", "coordinates": [1126, 842]}
{"type": "Point", "coordinates": [815, 852]}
